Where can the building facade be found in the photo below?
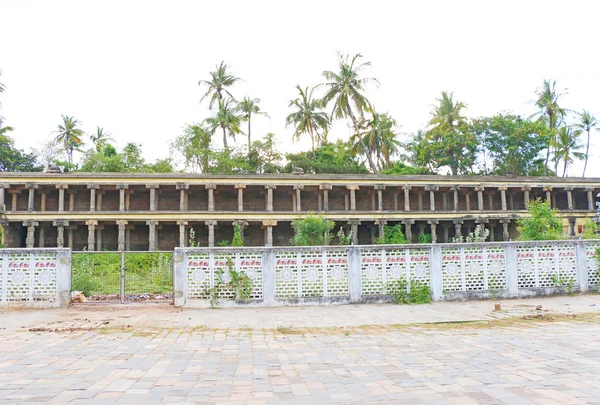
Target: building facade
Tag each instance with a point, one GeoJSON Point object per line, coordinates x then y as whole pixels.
{"type": "Point", "coordinates": [107, 211]}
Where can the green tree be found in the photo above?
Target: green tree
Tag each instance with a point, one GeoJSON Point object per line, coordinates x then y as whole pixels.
{"type": "Point", "coordinates": [219, 81]}
{"type": "Point", "coordinates": [4, 130]}
{"type": "Point", "coordinates": [100, 139]}
{"type": "Point", "coordinates": [549, 111]}
{"type": "Point", "coordinates": [329, 158]}
{"type": "Point", "coordinates": [377, 136]}
{"type": "Point", "coordinates": [344, 89]}
{"type": "Point", "coordinates": [312, 230]}
{"type": "Point", "coordinates": [16, 160]}
{"type": "Point", "coordinates": [393, 235]}
{"type": "Point", "coordinates": [249, 107]}
{"type": "Point", "coordinates": [227, 120]}
{"type": "Point", "coordinates": [586, 122]}
{"type": "Point", "coordinates": [400, 168]}
{"type": "Point", "coordinates": [418, 151]}
{"type": "Point", "coordinates": [307, 117]}
{"type": "Point", "coordinates": [69, 135]}
{"type": "Point", "coordinates": [264, 157]}
{"type": "Point", "coordinates": [449, 141]}
{"type": "Point", "coordinates": [567, 147]}
{"type": "Point", "coordinates": [132, 157]}
{"type": "Point", "coordinates": [511, 143]}
{"type": "Point", "coordinates": [194, 145]}
{"type": "Point", "coordinates": [541, 224]}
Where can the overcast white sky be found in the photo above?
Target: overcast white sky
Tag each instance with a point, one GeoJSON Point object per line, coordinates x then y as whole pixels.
{"type": "Point", "coordinates": [133, 66]}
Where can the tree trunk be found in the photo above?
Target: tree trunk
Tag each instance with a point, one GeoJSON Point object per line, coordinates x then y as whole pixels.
{"type": "Point", "coordinates": [565, 168]}
{"type": "Point", "coordinates": [587, 151]}
{"type": "Point", "coordinates": [249, 143]}
{"type": "Point", "coordinates": [550, 140]}
{"type": "Point", "coordinates": [366, 152]}
{"type": "Point", "coordinates": [312, 140]}
{"type": "Point", "coordinates": [225, 138]}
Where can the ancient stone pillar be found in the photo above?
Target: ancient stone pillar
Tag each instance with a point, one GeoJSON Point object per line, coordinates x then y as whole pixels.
{"type": "Point", "coordinates": [91, 224]}
{"type": "Point", "coordinates": [152, 235]}
{"type": "Point", "coordinates": [490, 195]}
{"type": "Point", "coordinates": [503, 196]}
{"type": "Point", "coordinates": [14, 193]}
{"type": "Point", "coordinates": [60, 232]}
{"type": "Point", "coordinates": [590, 198]}
{"type": "Point", "coordinates": [61, 196]}
{"type": "Point", "coordinates": [70, 237]}
{"type": "Point", "coordinates": [468, 200]}
{"type": "Point", "coordinates": [121, 237]}
{"type": "Point", "coordinates": [455, 192]}
{"type": "Point", "coordinates": [122, 188]}
{"type": "Point", "coordinates": [325, 188]}
{"type": "Point", "coordinates": [406, 197]}
{"type": "Point", "coordinates": [30, 202]}
{"type": "Point", "coordinates": [572, 227]}
{"type": "Point", "coordinates": [30, 239]}
{"type": "Point", "coordinates": [432, 190]}
{"type": "Point", "coordinates": [444, 202]}
{"type": "Point", "coordinates": [182, 187]}
{"type": "Point", "coordinates": [569, 197]}
{"type": "Point", "coordinates": [72, 200]}
{"type": "Point", "coordinates": [42, 237]}
{"type": "Point", "coordinates": [526, 190]}
{"type": "Point", "coordinates": [352, 189]}
{"type": "Point", "coordinates": [354, 223]}
{"type": "Point", "coordinates": [395, 201]}
{"type": "Point", "coordinates": [548, 190]}
{"type": "Point", "coordinates": [479, 190]}
{"type": "Point", "coordinates": [298, 188]}
{"type": "Point", "coordinates": [182, 226]}
{"type": "Point", "coordinates": [270, 189]}
{"type": "Point", "coordinates": [240, 195]}
{"type": "Point", "coordinates": [492, 232]}
{"type": "Point", "coordinates": [99, 200]}
{"type": "Point", "coordinates": [381, 228]}
{"type": "Point", "coordinates": [457, 227]}
{"type": "Point", "coordinates": [93, 188]}
{"type": "Point", "coordinates": [379, 188]}
{"type": "Point", "coordinates": [3, 187]}
{"type": "Point", "coordinates": [505, 223]}
{"type": "Point", "coordinates": [99, 230]}
{"type": "Point", "coordinates": [373, 202]}
{"type": "Point", "coordinates": [446, 228]}
{"type": "Point", "coordinates": [153, 195]}
{"type": "Point", "coordinates": [268, 226]}
{"type": "Point", "coordinates": [211, 232]}
{"type": "Point", "coordinates": [420, 200]}
{"type": "Point", "coordinates": [433, 224]}
{"type": "Point", "coordinates": [211, 196]}
{"type": "Point", "coordinates": [408, 229]}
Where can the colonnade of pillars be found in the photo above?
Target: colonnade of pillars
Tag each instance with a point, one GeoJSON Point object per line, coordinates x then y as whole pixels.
{"type": "Point", "coordinates": [377, 197]}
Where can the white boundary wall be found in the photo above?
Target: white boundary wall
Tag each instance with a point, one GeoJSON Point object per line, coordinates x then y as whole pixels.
{"type": "Point", "coordinates": [288, 275]}
{"type": "Point", "coordinates": [35, 278]}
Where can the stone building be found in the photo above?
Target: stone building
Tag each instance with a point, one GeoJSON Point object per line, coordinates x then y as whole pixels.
{"type": "Point", "coordinates": [108, 211]}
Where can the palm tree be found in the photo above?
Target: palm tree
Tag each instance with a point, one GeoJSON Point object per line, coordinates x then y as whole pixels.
{"type": "Point", "coordinates": [100, 139]}
{"type": "Point", "coordinates": [586, 122]}
{"type": "Point", "coordinates": [447, 114]}
{"type": "Point", "coordinates": [344, 89]}
{"type": "Point", "coordinates": [248, 107]}
{"type": "Point", "coordinates": [4, 130]}
{"type": "Point", "coordinates": [308, 118]}
{"type": "Point", "coordinates": [549, 111]}
{"type": "Point", "coordinates": [567, 147]}
{"type": "Point", "coordinates": [227, 120]}
{"type": "Point", "coordinates": [379, 137]}
{"type": "Point", "coordinates": [218, 83]}
{"type": "Point", "coordinates": [69, 135]}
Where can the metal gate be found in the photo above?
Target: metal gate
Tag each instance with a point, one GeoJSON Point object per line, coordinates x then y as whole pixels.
{"type": "Point", "coordinates": [123, 276]}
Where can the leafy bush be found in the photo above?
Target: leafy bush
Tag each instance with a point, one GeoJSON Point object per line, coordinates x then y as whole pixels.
{"type": "Point", "coordinates": [425, 238]}
{"type": "Point", "coordinates": [343, 238]}
{"type": "Point", "coordinates": [543, 223]}
{"type": "Point", "coordinates": [237, 240]}
{"type": "Point", "coordinates": [590, 230]}
{"type": "Point", "coordinates": [312, 230]}
{"type": "Point", "coordinates": [479, 235]}
{"type": "Point", "coordinates": [418, 293]}
{"type": "Point", "coordinates": [393, 235]}
{"type": "Point", "coordinates": [238, 282]}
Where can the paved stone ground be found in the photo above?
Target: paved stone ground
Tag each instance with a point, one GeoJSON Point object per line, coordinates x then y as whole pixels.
{"type": "Point", "coordinates": [510, 361]}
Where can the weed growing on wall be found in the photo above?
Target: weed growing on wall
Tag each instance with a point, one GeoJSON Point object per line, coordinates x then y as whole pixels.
{"type": "Point", "coordinates": [564, 282]}
{"type": "Point", "coordinates": [418, 293]}
{"type": "Point", "coordinates": [238, 282]}
{"type": "Point", "coordinates": [192, 239]}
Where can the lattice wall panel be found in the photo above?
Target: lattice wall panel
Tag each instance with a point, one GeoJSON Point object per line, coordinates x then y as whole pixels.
{"type": "Point", "coordinates": [473, 269]}
{"type": "Point", "coordinates": [543, 265]}
{"type": "Point", "coordinates": [28, 277]}
{"type": "Point", "coordinates": [373, 270]}
{"type": "Point", "coordinates": [592, 264]}
{"type": "Point", "coordinates": [206, 270]}
{"type": "Point", "coordinates": [311, 274]}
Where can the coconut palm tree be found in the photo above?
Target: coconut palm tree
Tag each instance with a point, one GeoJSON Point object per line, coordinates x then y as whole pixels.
{"type": "Point", "coordinates": [549, 111]}
{"type": "Point", "coordinates": [227, 120]}
{"type": "Point", "coordinates": [448, 113]}
{"type": "Point", "coordinates": [4, 130]}
{"type": "Point", "coordinates": [307, 117]}
{"type": "Point", "coordinates": [69, 135]}
{"type": "Point", "coordinates": [248, 107]}
{"type": "Point", "coordinates": [379, 136]}
{"type": "Point", "coordinates": [586, 122]}
{"type": "Point", "coordinates": [100, 139]}
{"type": "Point", "coordinates": [344, 90]}
{"type": "Point", "coordinates": [567, 147]}
{"type": "Point", "coordinates": [220, 79]}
